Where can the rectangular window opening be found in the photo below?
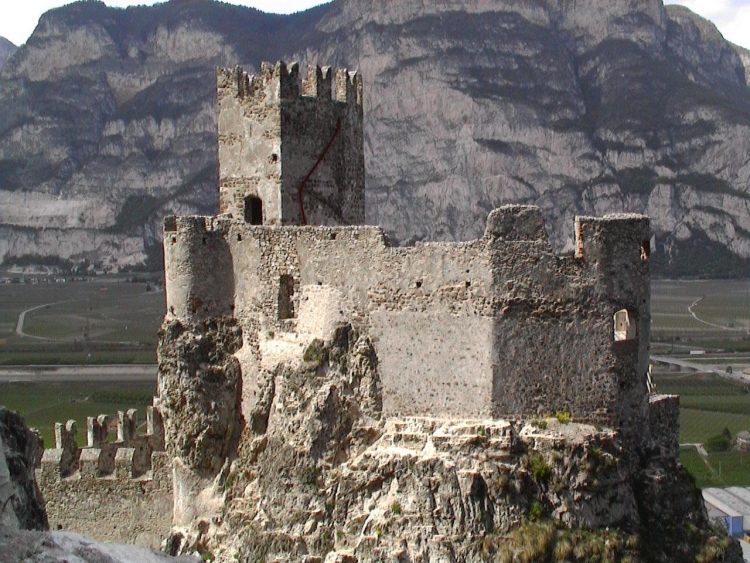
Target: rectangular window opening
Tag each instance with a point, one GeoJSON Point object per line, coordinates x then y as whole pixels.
{"type": "Point", "coordinates": [624, 326]}
{"type": "Point", "coordinates": [286, 297]}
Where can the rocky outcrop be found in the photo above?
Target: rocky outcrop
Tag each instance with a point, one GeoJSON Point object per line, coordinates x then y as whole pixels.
{"type": "Point", "coordinates": [200, 387]}
{"type": "Point", "coordinates": [200, 390]}
{"type": "Point", "coordinates": [21, 503]}
{"type": "Point", "coordinates": [320, 475]}
{"type": "Point", "coordinates": [578, 107]}
{"type": "Point", "coordinates": [64, 547]}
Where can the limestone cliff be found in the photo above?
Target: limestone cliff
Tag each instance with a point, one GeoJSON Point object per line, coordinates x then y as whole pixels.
{"type": "Point", "coordinates": [578, 107]}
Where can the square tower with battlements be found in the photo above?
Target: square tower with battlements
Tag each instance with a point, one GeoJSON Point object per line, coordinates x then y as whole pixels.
{"type": "Point", "coordinates": [291, 153]}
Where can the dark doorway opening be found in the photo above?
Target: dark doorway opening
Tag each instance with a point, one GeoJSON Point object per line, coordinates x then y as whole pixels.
{"type": "Point", "coordinates": [253, 210]}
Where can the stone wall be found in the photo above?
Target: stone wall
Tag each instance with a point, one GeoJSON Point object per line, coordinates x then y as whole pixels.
{"type": "Point", "coordinates": [500, 326]}
{"type": "Point", "coordinates": [664, 425]}
{"type": "Point", "coordinates": [113, 491]}
{"type": "Point", "coordinates": [278, 138]}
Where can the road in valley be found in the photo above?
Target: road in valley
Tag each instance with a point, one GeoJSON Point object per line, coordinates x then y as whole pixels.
{"type": "Point", "coordinates": [700, 368]}
{"type": "Point", "coordinates": [47, 374]}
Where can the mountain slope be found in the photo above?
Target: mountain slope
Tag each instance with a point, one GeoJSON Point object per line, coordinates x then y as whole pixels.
{"type": "Point", "coordinates": [571, 105]}
{"type": "Point", "coordinates": [110, 124]}
{"type": "Point", "coordinates": [6, 50]}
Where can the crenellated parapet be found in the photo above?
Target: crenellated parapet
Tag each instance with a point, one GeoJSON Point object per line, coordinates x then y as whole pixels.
{"type": "Point", "coordinates": [112, 450]}
{"type": "Point", "coordinates": [318, 83]}
{"type": "Point", "coordinates": [118, 487]}
{"type": "Point", "coordinates": [280, 81]}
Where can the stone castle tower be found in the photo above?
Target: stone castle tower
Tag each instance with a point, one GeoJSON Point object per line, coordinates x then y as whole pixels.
{"type": "Point", "coordinates": [291, 155]}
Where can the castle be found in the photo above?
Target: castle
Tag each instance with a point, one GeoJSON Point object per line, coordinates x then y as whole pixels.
{"type": "Point", "coordinates": [495, 328]}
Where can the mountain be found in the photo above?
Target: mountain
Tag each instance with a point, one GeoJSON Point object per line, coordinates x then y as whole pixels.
{"type": "Point", "coordinates": [109, 124]}
{"type": "Point", "coordinates": [6, 50]}
{"type": "Point", "coordinates": [577, 106]}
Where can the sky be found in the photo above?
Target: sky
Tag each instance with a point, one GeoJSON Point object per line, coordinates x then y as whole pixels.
{"type": "Point", "coordinates": [732, 17]}
{"type": "Point", "coordinates": [18, 18]}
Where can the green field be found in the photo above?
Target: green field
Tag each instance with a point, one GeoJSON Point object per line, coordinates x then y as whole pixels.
{"type": "Point", "coordinates": [43, 404]}
{"type": "Point", "coordinates": [106, 320]}
{"type": "Point", "coordinates": [728, 469]}
{"type": "Point", "coordinates": [708, 406]}
{"type": "Point", "coordinates": [698, 426]}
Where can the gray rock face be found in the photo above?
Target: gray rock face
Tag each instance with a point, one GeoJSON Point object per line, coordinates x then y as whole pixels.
{"type": "Point", "coordinates": [197, 366]}
{"type": "Point", "coordinates": [62, 547]}
{"type": "Point", "coordinates": [21, 503]}
{"type": "Point", "coordinates": [6, 50]}
{"type": "Point", "coordinates": [578, 107]}
{"type": "Point", "coordinates": [107, 114]}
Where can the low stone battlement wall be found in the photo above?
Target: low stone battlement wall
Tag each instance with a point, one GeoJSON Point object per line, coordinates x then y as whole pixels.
{"type": "Point", "coordinates": [130, 452]}
{"type": "Point", "coordinates": [114, 491]}
{"type": "Point", "coordinates": [664, 424]}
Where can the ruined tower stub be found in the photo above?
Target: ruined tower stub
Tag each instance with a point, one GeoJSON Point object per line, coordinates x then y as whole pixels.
{"type": "Point", "coordinates": [291, 153]}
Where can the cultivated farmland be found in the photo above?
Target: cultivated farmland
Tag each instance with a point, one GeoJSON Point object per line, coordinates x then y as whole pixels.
{"type": "Point", "coordinates": [105, 320]}
{"type": "Point", "coordinates": [714, 314]}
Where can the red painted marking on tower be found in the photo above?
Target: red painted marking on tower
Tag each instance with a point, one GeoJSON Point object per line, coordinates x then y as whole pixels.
{"type": "Point", "coordinates": [301, 189]}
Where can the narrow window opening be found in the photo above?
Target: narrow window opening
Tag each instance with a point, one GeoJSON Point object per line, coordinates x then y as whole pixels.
{"type": "Point", "coordinates": [253, 210]}
{"type": "Point", "coordinates": [286, 294]}
{"type": "Point", "coordinates": [624, 326]}
{"type": "Point", "coordinates": [645, 249]}
{"type": "Point", "coordinates": [579, 240]}
{"type": "Point", "coordinates": [419, 284]}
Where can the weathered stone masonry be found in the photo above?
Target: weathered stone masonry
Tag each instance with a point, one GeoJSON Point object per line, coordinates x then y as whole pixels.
{"type": "Point", "coordinates": [273, 132]}
{"type": "Point", "coordinates": [494, 327]}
